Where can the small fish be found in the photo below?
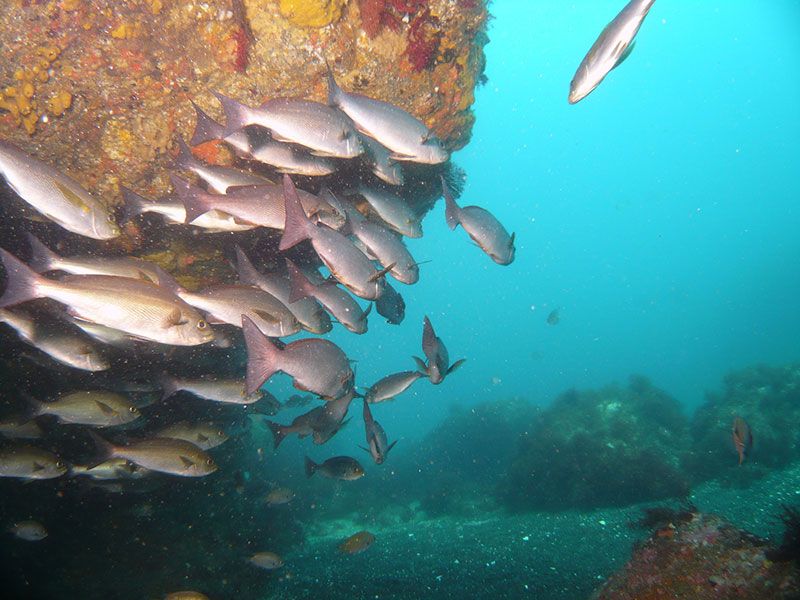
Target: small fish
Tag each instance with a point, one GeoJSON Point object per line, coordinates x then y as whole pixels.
{"type": "Point", "coordinates": [218, 178]}
{"type": "Point", "coordinates": [109, 470]}
{"type": "Point", "coordinates": [391, 386]}
{"type": "Point", "coordinates": [20, 428]}
{"type": "Point", "coordinates": [322, 422]}
{"type": "Point", "coordinates": [356, 543]}
{"type": "Point", "coordinates": [55, 195]}
{"type": "Point", "coordinates": [377, 442]}
{"type": "Point", "coordinates": [27, 462]}
{"type": "Point", "coordinates": [393, 210]}
{"type": "Point", "coordinates": [405, 135]}
{"type": "Point", "coordinates": [95, 408]}
{"type": "Point", "coordinates": [30, 531]}
{"type": "Point", "coordinates": [554, 317]}
{"type": "Point", "coordinates": [324, 130]}
{"type": "Point", "coordinates": [139, 308]}
{"type": "Point", "coordinates": [315, 365]}
{"type": "Point", "coordinates": [338, 467]}
{"type": "Point", "coordinates": [381, 162]}
{"type": "Point", "coordinates": [438, 366]}
{"type": "Point", "coordinates": [228, 391]}
{"type": "Point", "coordinates": [203, 435]}
{"type": "Point", "coordinates": [164, 455]}
{"type": "Point", "coordinates": [391, 305]}
{"type": "Point", "coordinates": [279, 496]}
{"type": "Point", "coordinates": [482, 227]}
{"type": "Point", "coordinates": [296, 400]}
{"type": "Point", "coordinates": [266, 560]}
{"type": "Point", "coordinates": [186, 595]}
{"type": "Point", "coordinates": [612, 47]}
{"type": "Point", "coordinates": [742, 438]}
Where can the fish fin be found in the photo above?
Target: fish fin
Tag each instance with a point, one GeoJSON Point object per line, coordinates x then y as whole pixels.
{"type": "Point", "coordinates": [297, 227]}
{"type": "Point", "coordinates": [382, 273]}
{"type": "Point", "coordinates": [244, 268]}
{"type": "Point", "coordinates": [195, 201]}
{"type": "Point", "coordinates": [400, 157]}
{"type": "Point", "coordinates": [429, 338]}
{"type": "Point", "coordinates": [175, 319]}
{"type": "Point", "coordinates": [389, 447]}
{"type": "Point", "coordinates": [334, 91]}
{"type": "Point", "coordinates": [202, 438]}
{"type": "Point", "coordinates": [169, 386]}
{"type": "Point", "coordinates": [262, 355]}
{"type": "Point", "coordinates": [105, 408]}
{"type": "Point", "coordinates": [187, 462]}
{"type": "Point", "coordinates": [365, 314]}
{"type": "Point", "coordinates": [71, 196]}
{"type": "Point", "coordinates": [21, 281]}
{"type": "Point", "coordinates": [279, 433]}
{"type": "Point", "coordinates": [42, 258]}
{"type": "Point", "coordinates": [105, 449]}
{"type": "Point", "coordinates": [624, 53]}
{"type": "Point", "coordinates": [264, 315]}
{"type": "Point", "coordinates": [365, 449]}
{"type": "Point", "coordinates": [185, 159]}
{"type": "Point", "coordinates": [205, 128]}
{"type": "Point", "coordinates": [237, 115]}
{"type": "Point", "coordinates": [311, 466]}
{"type": "Point", "coordinates": [423, 368]}
{"type": "Point", "coordinates": [37, 466]}
{"type": "Point", "coordinates": [133, 204]}
{"type": "Point", "coordinates": [452, 212]}
{"type": "Point", "coordinates": [301, 286]}
{"type": "Point", "coordinates": [455, 365]}
{"type": "Point", "coordinates": [212, 320]}
{"type": "Point", "coordinates": [35, 407]}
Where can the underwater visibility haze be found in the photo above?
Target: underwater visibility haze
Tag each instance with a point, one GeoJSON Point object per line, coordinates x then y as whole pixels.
{"type": "Point", "coordinates": [400, 299]}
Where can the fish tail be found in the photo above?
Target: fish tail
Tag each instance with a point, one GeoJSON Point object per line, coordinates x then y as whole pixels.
{"type": "Point", "coordinates": [247, 273]}
{"type": "Point", "coordinates": [421, 366]}
{"type": "Point", "coordinates": [300, 284]}
{"type": "Point", "coordinates": [185, 159]}
{"type": "Point", "coordinates": [22, 282]}
{"type": "Point", "coordinates": [451, 209]}
{"type": "Point", "coordinates": [334, 91]}
{"type": "Point", "coordinates": [237, 115]}
{"type": "Point", "coordinates": [311, 467]}
{"type": "Point", "coordinates": [134, 204]}
{"type": "Point", "coordinates": [42, 258]}
{"type": "Point", "coordinates": [169, 386]}
{"type": "Point", "coordinates": [35, 408]}
{"type": "Point", "coordinates": [297, 226]}
{"type": "Point", "coordinates": [428, 337]}
{"type": "Point", "coordinates": [195, 201]}
{"type": "Point", "coordinates": [262, 355]}
{"type": "Point", "coordinates": [279, 433]}
{"type": "Point", "coordinates": [105, 449]}
{"type": "Point", "coordinates": [205, 128]}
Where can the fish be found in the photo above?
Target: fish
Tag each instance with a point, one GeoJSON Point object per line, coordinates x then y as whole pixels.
{"type": "Point", "coordinates": [164, 455]}
{"type": "Point", "coordinates": [345, 262]}
{"type": "Point", "coordinates": [391, 305]}
{"type": "Point", "coordinates": [315, 365]}
{"type": "Point", "coordinates": [20, 428]}
{"type": "Point", "coordinates": [227, 304]}
{"type": "Point", "coordinates": [287, 159]}
{"type": "Point", "coordinates": [404, 135]}
{"type": "Point", "coordinates": [43, 259]}
{"type": "Point", "coordinates": [742, 438]}
{"type": "Point", "coordinates": [554, 317]}
{"type": "Point", "coordinates": [392, 209]}
{"type": "Point", "coordinates": [438, 366]}
{"type": "Point", "coordinates": [391, 386]}
{"type": "Point", "coordinates": [103, 334]}
{"type": "Point", "coordinates": [109, 470]}
{"type": "Point", "coordinates": [377, 442]}
{"type": "Point", "coordinates": [336, 301]}
{"type": "Point", "coordinates": [357, 543]}
{"type": "Point", "coordinates": [610, 50]}
{"type": "Point", "coordinates": [308, 312]}
{"type": "Point", "coordinates": [90, 407]}
{"type": "Point", "coordinates": [30, 531]}
{"type": "Point", "coordinates": [338, 467]}
{"type": "Point", "coordinates": [186, 595]}
{"type": "Point", "coordinates": [279, 496]}
{"type": "Point", "coordinates": [296, 400]}
{"type": "Point", "coordinates": [139, 308]}
{"type": "Point", "coordinates": [174, 212]}
{"type": "Point", "coordinates": [228, 391]}
{"type": "Point", "coordinates": [322, 422]}
{"type": "Point", "coordinates": [203, 435]}
{"type": "Point", "coordinates": [62, 345]}
{"type": "Point", "coordinates": [219, 179]}
{"type": "Point", "coordinates": [55, 195]}
{"type": "Point", "coordinates": [324, 130]}
{"type": "Point", "coordinates": [28, 462]}
{"type": "Point", "coordinates": [482, 227]}
{"type": "Point", "coordinates": [383, 166]}
{"type": "Point", "coordinates": [266, 560]}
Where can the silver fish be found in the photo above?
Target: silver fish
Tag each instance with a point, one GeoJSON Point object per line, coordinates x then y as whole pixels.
{"type": "Point", "coordinates": [482, 227]}
{"type": "Point", "coordinates": [311, 316]}
{"type": "Point", "coordinates": [394, 211]}
{"type": "Point", "coordinates": [218, 178]}
{"type": "Point", "coordinates": [612, 47]}
{"type": "Point", "coordinates": [324, 130]}
{"type": "Point", "coordinates": [227, 304]}
{"type": "Point", "coordinates": [96, 408]}
{"type": "Point", "coordinates": [203, 435]}
{"type": "Point", "coordinates": [30, 531]}
{"type": "Point", "coordinates": [438, 366]}
{"type": "Point", "coordinates": [20, 428]}
{"type": "Point", "coordinates": [266, 560]}
{"type": "Point", "coordinates": [286, 159]}
{"type": "Point", "coordinates": [377, 442]}
{"type": "Point", "coordinates": [110, 470]}
{"type": "Point", "coordinates": [139, 308]}
{"type": "Point", "coordinates": [391, 305]}
{"type": "Point", "coordinates": [382, 164]}
{"type": "Point", "coordinates": [402, 133]}
{"type": "Point", "coordinates": [67, 347]}
{"type": "Point", "coordinates": [315, 365]}
{"type": "Point", "coordinates": [55, 195]}
{"type": "Point", "coordinates": [345, 262]}
{"type": "Point", "coordinates": [27, 462]}
{"type": "Point", "coordinates": [391, 386]}
{"type": "Point", "coordinates": [164, 455]}
{"type": "Point", "coordinates": [229, 391]}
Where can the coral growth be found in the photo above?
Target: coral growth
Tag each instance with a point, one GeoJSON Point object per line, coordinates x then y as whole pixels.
{"type": "Point", "coordinates": [312, 13]}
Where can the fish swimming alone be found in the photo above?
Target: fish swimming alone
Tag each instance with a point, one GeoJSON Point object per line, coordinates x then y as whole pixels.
{"type": "Point", "coordinates": [266, 560]}
{"type": "Point", "coordinates": [357, 543]}
{"type": "Point", "coordinates": [279, 496]}
{"type": "Point", "coordinates": [438, 366]}
{"type": "Point", "coordinates": [30, 531]}
{"type": "Point", "coordinates": [391, 386]}
{"type": "Point", "coordinates": [742, 437]}
{"type": "Point", "coordinates": [377, 442]}
{"type": "Point", "coordinates": [338, 467]}
{"type": "Point", "coordinates": [609, 51]}
{"type": "Point", "coordinates": [391, 305]}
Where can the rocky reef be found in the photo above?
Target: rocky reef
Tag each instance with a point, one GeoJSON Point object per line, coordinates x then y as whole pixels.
{"type": "Point", "coordinates": [609, 447]}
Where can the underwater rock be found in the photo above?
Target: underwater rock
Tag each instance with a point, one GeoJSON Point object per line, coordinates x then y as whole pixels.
{"type": "Point", "coordinates": [705, 557]}
{"type": "Point", "coordinates": [611, 447]}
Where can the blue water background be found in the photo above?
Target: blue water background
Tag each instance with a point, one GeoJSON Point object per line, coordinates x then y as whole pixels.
{"type": "Point", "coordinates": [659, 214]}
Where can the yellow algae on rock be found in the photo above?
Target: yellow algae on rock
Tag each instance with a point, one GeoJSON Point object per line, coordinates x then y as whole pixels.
{"type": "Point", "coordinates": [59, 103]}
{"type": "Point", "coordinates": [312, 13]}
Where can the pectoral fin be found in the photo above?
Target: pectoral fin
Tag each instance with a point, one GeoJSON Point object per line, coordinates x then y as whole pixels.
{"type": "Point", "coordinates": [265, 316]}
{"type": "Point", "coordinates": [71, 196]}
{"type": "Point", "coordinates": [105, 408]}
{"type": "Point", "coordinates": [175, 318]}
{"type": "Point", "coordinates": [624, 52]}
{"type": "Point", "coordinates": [187, 462]}
{"type": "Point", "coordinates": [455, 365]}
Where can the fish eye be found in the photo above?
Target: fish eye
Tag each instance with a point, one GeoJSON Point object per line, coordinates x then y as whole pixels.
{"type": "Point", "coordinates": [110, 218]}
{"type": "Point", "coordinates": [210, 462]}
{"type": "Point", "coordinates": [221, 433]}
{"type": "Point", "coordinates": [59, 464]}
{"type": "Point", "coordinates": [201, 325]}
{"type": "Point", "coordinates": [133, 410]}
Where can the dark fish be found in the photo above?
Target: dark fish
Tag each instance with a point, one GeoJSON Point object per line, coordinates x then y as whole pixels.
{"type": "Point", "coordinates": [391, 386]}
{"type": "Point", "coordinates": [27, 462]}
{"type": "Point", "coordinates": [356, 543]}
{"type": "Point", "coordinates": [482, 227]}
{"type": "Point", "coordinates": [266, 560]}
{"type": "Point", "coordinates": [279, 496]}
{"type": "Point", "coordinates": [30, 531]}
{"type": "Point", "coordinates": [391, 305]}
{"type": "Point", "coordinates": [438, 366]}
{"type": "Point", "coordinates": [317, 366]}
{"type": "Point", "coordinates": [377, 442]}
{"type": "Point", "coordinates": [165, 455]}
{"type": "Point", "coordinates": [296, 400]}
{"type": "Point", "coordinates": [345, 262]}
{"type": "Point", "coordinates": [554, 317]}
{"type": "Point", "coordinates": [610, 50]}
{"type": "Point", "coordinates": [338, 467]}
{"type": "Point", "coordinates": [742, 438]}
{"type": "Point", "coordinates": [322, 422]}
